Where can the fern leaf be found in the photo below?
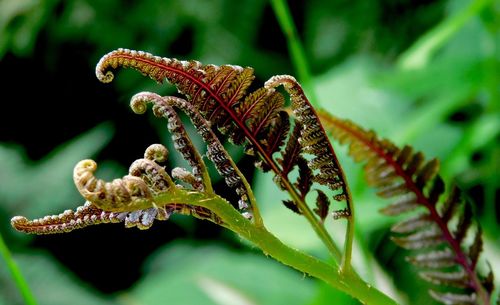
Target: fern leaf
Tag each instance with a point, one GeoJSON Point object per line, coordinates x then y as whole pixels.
{"type": "Point", "coordinates": [403, 204]}
{"type": "Point", "coordinates": [127, 200]}
{"type": "Point", "coordinates": [277, 133]}
{"type": "Point", "coordinates": [261, 116]}
{"type": "Point", "coordinates": [68, 221]}
{"type": "Point", "coordinates": [213, 90]}
{"type": "Point", "coordinates": [404, 175]}
{"type": "Point", "coordinates": [476, 247]}
{"type": "Point", "coordinates": [448, 206]}
{"type": "Point", "coordinates": [464, 223]}
{"type": "Point", "coordinates": [217, 92]}
{"type": "Point", "coordinates": [420, 239]}
{"type": "Point", "coordinates": [215, 150]}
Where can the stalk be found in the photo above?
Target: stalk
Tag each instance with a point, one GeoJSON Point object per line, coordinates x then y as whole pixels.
{"type": "Point", "coordinates": [18, 278]}
{"type": "Point", "coordinates": [297, 53]}
{"type": "Point", "coordinates": [348, 281]}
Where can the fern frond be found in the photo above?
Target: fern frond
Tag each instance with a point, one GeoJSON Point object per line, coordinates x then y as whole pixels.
{"type": "Point", "coordinates": [313, 138]}
{"type": "Point", "coordinates": [414, 184]}
{"type": "Point", "coordinates": [256, 119]}
{"type": "Point", "coordinates": [278, 131]}
{"type": "Point", "coordinates": [182, 141]}
{"type": "Point", "coordinates": [130, 200]}
{"type": "Point", "coordinates": [111, 196]}
{"type": "Point", "coordinates": [90, 215]}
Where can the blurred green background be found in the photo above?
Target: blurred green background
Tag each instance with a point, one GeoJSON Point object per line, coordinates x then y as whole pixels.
{"type": "Point", "coordinates": [418, 72]}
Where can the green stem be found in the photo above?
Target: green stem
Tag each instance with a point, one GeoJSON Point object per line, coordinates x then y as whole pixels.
{"type": "Point", "coordinates": [297, 53]}
{"type": "Point", "coordinates": [348, 281]}
{"type": "Point", "coordinates": [349, 238]}
{"type": "Point", "coordinates": [19, 280]}
{"type": "Point", "coordinates": [300, 62]}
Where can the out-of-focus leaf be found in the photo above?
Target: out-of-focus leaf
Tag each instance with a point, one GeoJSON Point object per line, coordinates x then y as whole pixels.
{"type": "Point", "coordinates": [35, 190]}
{"type": "Point", "coordinates": [349, 91]}
{"type": "Point", "coordinates": [288, 226]}
{"type": "Point", "coordinates": [223, 294]}
{"type": "Point", "coordinates": [421, 52]}
{"type": "Point", "coordinates": [326, 295]}
{"type": "Point", "coordinates": [50, 284]}
{"type": "Point", "coordinates": [181, 273]}
{"type": "Point", "coordinates": [29, 16]}
{"type": "Point", "coordinates": [445, 75]}
{"type": "Point", "coordinates": [479, 133]}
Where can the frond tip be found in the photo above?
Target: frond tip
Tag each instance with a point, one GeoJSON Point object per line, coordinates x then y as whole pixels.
{"type": "Point", "coordinates": [115, 195]}
{"type": "Point", "coordinates": [415, 185]}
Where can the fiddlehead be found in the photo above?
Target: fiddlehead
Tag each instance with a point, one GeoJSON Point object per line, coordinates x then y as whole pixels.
{"type": "Point", "coordinates": [112, 196]}
{"type": "Point", "coordinates": [216, 97]}
{"type": "Point", "coordinates": [440, 227]}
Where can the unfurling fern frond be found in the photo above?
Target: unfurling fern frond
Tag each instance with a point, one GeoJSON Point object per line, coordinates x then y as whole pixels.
{"type": "Point", "coordinates": [130, 200]}
{"type": "Point", "coordinates": [439, 228]}
{"type": "Point", "coordinates": [216, 96]}
{"type": "Point", "coordinates": [257, 119]}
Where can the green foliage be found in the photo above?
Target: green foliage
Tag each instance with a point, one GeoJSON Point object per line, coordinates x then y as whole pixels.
{"type": "Point", "coordinates": [354, 51]}
{"type": "Point", "coordinates": [50, 283]}
{"type": "Point", "coordinates": [187, 273]}
{"type": "Point", "coordinates": [26, 187]}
